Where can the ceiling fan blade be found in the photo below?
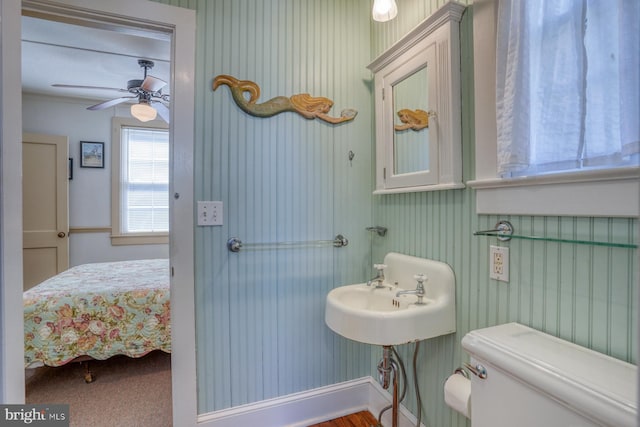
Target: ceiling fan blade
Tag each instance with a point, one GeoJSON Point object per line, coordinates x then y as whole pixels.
{"type": "Point", "coordinates": [163, 111]}
{"type": "Point", "coordinates": [110, 103]}
{"type": "Point", "coordinates": [89, 87]}
{"type": "Point", "coordinates": [152, 84]}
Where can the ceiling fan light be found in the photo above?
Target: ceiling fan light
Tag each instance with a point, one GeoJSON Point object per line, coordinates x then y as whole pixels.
{"type": "Point", "coordinates": [384, 10]}
{"type": "Point", "coordinates": [143, 112]}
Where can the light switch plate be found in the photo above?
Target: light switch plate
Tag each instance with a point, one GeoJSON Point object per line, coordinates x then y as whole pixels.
{"type": "Point", "coordinates": [210, 213]}
{"type": "Point", "coordinates": [499, 263]}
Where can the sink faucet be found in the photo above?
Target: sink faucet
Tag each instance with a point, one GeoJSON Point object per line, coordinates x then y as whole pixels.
{"type": "Point", "coordinates": [379, 279]}
{"type": "Point", "coordinates": [418, 291]}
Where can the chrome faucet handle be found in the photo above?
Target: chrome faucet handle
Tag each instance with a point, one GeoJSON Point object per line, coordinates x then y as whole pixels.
{"type": "Point", "coordinates": [380, 267]}
{"type": "Point", "coordinates": [420, 278]}
{"type": "Point", "coordinates": [379, 279]}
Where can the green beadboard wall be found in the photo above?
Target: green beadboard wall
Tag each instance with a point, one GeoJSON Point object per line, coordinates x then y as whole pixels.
{"type": "Point", "coordinates": [582, 293]}
{"type": "Point", "coordinates": [260, 315]}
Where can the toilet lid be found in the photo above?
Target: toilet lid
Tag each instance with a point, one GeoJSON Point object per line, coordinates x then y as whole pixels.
{"type": "Point", "coordinates": [586, 380]}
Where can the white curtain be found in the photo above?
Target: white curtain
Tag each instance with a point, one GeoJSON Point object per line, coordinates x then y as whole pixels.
{"type": "Point", "coordinates": [567, 85]}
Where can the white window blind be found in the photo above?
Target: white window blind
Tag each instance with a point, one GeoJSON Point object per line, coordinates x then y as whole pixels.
{"type": "Point", "coordinates": [144, 180]}
{"type": "Point", "coordinates": [567, 85]}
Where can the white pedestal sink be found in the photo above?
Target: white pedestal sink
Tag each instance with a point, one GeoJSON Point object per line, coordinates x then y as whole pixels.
{"type": "Point", "coordinates": [376, 315]}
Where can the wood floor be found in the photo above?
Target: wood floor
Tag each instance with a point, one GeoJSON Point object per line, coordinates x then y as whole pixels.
{"type": "Point", "coordinates": [359, 419]}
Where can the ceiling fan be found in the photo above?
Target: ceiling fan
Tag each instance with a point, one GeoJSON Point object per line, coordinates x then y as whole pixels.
{"type": "Point", "coordinates": [148, 91]}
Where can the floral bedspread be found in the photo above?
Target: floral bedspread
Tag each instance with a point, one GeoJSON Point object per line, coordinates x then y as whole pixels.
{"type": "Point", "coordinates": [98, 310]}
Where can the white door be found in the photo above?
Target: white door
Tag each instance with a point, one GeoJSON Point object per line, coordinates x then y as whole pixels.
{"type": "Point", "coordinates": [45, 207]}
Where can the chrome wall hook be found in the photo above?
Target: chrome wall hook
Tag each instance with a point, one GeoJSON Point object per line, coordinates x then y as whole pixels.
{"type": "Point", "coordinates": [352, 155]}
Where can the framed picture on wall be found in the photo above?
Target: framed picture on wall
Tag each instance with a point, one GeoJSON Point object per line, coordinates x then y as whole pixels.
{"type": "Point", "coordinates": [91, 154]}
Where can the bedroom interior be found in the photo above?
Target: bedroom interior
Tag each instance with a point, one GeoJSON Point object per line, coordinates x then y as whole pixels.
{"type": "Point", "coordinates": [111, 298]}
{"type": "Point", "coordinates": [70, 58]}
{"type": "Point", "coordinates": [264, 351]}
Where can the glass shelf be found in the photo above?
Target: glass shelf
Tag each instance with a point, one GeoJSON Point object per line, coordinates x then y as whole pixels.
{"type": "Point", "coordinates": [504, 232]}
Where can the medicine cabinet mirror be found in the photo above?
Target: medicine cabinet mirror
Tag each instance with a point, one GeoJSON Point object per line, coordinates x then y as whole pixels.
{"type": "Point", "coordinates": [411, 138]}
{"type": "Point", "coordinates": [417, 105]}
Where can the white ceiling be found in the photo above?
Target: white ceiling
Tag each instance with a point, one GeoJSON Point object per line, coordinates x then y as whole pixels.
{"type": "Point", "coordinates": [63, 53]}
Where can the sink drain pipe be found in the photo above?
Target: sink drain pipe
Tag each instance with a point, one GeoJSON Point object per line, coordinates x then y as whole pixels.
{"type": "Point", "coordinates": [386, 366]}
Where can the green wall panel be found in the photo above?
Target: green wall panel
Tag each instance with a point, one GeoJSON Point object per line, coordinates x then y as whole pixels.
{"type": "Point", "coordinates": [260, 315]}
{"type": "Point", "coordinates": [581, 293]}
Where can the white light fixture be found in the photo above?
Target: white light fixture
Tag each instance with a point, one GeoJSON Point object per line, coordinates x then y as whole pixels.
{"type": "Point", "coordinates": [384, 10]}
{"type": "Point", "coordinates": [143, 111]}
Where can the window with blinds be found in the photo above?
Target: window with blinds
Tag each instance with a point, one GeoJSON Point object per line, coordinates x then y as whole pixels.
{"type": "Point", "coordinates": [144, 180]}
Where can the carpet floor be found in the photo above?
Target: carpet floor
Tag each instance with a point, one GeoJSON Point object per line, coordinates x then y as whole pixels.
{"type": "Point", "coordinates": [125, 392]}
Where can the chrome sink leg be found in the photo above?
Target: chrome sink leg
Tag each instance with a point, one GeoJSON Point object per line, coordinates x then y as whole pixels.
{"type": "Point", "coordinates": [386, 366]}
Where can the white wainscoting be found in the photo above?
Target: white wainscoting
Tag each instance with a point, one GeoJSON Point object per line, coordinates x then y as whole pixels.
{"type": "Point", "coordinates": [311, 407]}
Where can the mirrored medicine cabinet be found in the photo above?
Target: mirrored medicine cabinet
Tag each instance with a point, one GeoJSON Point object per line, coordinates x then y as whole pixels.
{"type": "Point", "coordinates": [417, 107]}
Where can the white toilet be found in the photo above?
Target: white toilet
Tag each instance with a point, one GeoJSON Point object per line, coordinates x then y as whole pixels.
{"type": "Point", "coordinates": [534, 379]}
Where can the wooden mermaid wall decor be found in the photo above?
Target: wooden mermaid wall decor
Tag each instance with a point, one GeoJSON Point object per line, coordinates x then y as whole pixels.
{"type": "Point", "coordinates": [412, 119]}
{"type": "Point", "coordinates": [308, 106]}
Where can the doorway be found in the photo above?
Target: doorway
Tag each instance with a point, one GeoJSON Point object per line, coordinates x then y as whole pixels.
{"type": "Point", "coordinates": [132, 15]}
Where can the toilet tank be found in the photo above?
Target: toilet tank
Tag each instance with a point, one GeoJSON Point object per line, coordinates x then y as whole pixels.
{"type": "Point", "coordinates": [534, 379]}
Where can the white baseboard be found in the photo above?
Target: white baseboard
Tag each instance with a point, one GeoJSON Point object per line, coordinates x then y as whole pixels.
{"type": "Point", "coordinates": [311, 407]}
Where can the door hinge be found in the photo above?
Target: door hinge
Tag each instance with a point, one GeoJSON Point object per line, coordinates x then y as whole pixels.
{"type": "Point", "coordinates": [172, 272]}
{"type": "Point", "coordinates": [383, 94]}
{"type": "Point", "coordinates": [384, 173]}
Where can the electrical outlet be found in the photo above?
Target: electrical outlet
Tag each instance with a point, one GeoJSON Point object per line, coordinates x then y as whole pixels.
{"type": "Point", "coordinates": [209, 213]}
{"type": "Point", "coordinates": [499, 263]}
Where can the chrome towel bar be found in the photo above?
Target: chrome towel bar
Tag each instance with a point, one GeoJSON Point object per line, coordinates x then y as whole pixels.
{"type": "Point", "coordinates": [234, 244]}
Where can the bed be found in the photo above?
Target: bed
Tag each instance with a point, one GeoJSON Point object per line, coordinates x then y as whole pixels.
{"type": "Point", "coordinates": [97, 311]}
